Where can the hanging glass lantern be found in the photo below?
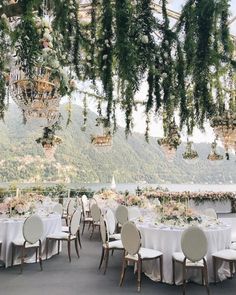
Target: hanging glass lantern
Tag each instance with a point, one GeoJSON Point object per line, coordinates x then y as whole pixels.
{"type": "Point", "coordinates": [214, 156]}
{"type": "Point", "coordinates": [225, 128]}
{"type": "Point", "coordinates": [171, 142]}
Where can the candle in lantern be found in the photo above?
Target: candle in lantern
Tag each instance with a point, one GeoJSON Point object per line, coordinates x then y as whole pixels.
{"type": "Point", "coordinates": [17, 192]}
{"type": "Point", "coordinates": [68, 193]}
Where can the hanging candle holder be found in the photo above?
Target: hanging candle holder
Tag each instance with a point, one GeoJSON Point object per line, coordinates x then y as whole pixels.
{"type": "Point", "coordinates": [190, 154]}
{"type": "Point", "coordinates": [225, 129]}
{"type": "Point", "coordinates": [214, 156]}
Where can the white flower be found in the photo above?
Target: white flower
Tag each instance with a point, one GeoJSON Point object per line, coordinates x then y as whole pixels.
{"type": "Point", "coordinates": [105, 56]}
{"type": "Point", "coordinates": [144, 39]}
{"type": "Point", "coordinates": [89, 57]}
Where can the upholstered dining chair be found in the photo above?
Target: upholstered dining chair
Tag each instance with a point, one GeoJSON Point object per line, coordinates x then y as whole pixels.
{"type": "Point", "coordinates": [85, 204]}
{"type": "Point", "coordinates": [210, 212]}
{"type": "Point", "coordinates": [58, 208]}
{"type": "Point", "coordinates": [112, 225]}
{"type": "Point", "coordinates": [227, 255]}
{"type": "Point", "coordinates": [121, 215]}
{"type": "Point", "coordinates": [107, 245]}
{"type": "Point", "coordinates": [72, 235]}
{"type": "Point", "coordinates": [85, 218]}
{"type": "Point", "coordinates": [95, 214]}
{"type": "Point", "coordinates": [32, 233]}
{"type": "Point", "coordinates": [69, 211]}
{"type": "Point", "coordinates": [66, 229]}
{"type": "Point", "coordinates": [194, 249]}
{"type": "Point", "coordinates": [131, 240]}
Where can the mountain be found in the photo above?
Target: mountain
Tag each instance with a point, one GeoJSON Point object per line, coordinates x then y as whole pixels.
{"type": "Point", "coordinates": [77, 160]}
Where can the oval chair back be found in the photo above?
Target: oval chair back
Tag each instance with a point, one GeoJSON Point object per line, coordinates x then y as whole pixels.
{"type": "Point", "coordinates": [58, 208]}
{"type": "Point", "coordinates": [210, 212]}
{"type": "Point", "coordinates": [75, 221]}
{"type": "Point", "coordinates": [84, 200]}
{"type": "Point", "coordinates": [91, 202]}
{"type": "Point", "coordinates": [95, 212]}
{"type": "Point", "coordinates": [33, 229]}
{"type": "Point", "coordinates": [71, 207]}
{"type": "Point", "coordinates": [122, 214]}
{"type": "Point", "coordinates": [134, 213]}
{"type": "Point", "coordinates": [194, 243]}
{"type": "Point", "coordinates": [103, 230]}
{"type": "Point", "coordinates": [111, 221]}
{"type": "Point", "coordinates": [130, 237]}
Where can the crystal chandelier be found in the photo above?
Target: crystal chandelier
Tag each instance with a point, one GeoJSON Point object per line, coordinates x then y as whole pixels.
{"type": "Point", "coordinates": [37, 96]}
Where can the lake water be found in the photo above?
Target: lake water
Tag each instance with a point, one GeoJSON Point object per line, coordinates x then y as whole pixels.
{"type": "Point", "coordinates": [131, 187]}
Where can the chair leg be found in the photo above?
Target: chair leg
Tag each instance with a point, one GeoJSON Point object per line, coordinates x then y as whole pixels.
{"type": "Point", "coordinates": [231, 268]}
{"type": "Point", "coordinates": [89, 224]}
{"type": "Point", "coordinates": [206, 276]}
{"type": "Point", "coordinates": [69, 250]}
{"type": "Point", "coordinates": [123, 270]}
{"type": "Point", "coordinates": [12, 254]}
{"type": "Point", "coordinates": [40, 256]}
{"type": "Point", "coordinates": [161, 268]}
{"type": "Point", "coordinates": [76, 247]}
{"type": "Point", "coordinates": [58, 246]}
{"type": "Point", "coordinates": [102, 257]}
{"type": "Point", "coordinates": [47, 242]}
{"type": "Point", "coordinates": [173, 271]}
{"type": "Point", "coordinates": [92, 231]}
{"type": "Point", "coordinates": [214, 268]}
{"type": "Point", "coordinates": [202, 273]}
{"type": "Point", "coordinates": [83, 227]}
{"type": "Point", "coordinates": [184, 278]}
{"type": "Point", "coordinates": [139, 274]}
{"type": "Point", "coordinates": [106, 260]}
{"type": "Point", "coordinates": [22, 258]}
{"type": "Point", "coordinates": [36, 255]}
{"type": "Point", "coordinates": [79, 239]}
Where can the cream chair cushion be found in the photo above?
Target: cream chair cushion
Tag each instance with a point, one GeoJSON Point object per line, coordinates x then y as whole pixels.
{"type": "Point", "coordinates": [179, 256]}
{"type": "Point", "coordinates": [145, 253]}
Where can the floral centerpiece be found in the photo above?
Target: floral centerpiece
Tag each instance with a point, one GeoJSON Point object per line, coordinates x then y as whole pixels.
{"type": "Point", "coordinates": [177, 213]}
{"type": "Point", "coordinates": [20, 205]}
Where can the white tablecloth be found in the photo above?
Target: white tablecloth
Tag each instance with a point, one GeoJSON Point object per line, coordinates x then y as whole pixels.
{"type": "Point", "coordinates": [168, 240]}
{"type": "Point", "coordinates": [11, 229]}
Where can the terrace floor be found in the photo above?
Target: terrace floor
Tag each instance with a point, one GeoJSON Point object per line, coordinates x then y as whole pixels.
{"type": "Point", "coordinates": [81, 276]}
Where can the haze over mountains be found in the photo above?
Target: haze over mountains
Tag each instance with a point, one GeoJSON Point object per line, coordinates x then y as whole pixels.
{"type": "Point", "coordinates": [131, 160]}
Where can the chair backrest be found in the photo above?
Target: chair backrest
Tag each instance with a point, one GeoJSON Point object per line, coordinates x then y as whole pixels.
{"type": "Point", "coordinates": [210, 212]}
{"type": "Point", "coordinates": [91, 202]}
{"type": "Point", "coordinates": [95, 212]}
{"type": "Point", "coordinates": [33, 229]}
{"type": "Point", "coordinates": [131, 238]}
{"type": "Point", "coordinates": [122, 214]}
{"type": "Point", "coordinates": [194, 243]}
{"type": "Point", "coordinates": [103, 230]}
{"type": "Point", "coordinates": [111, 221]}
{"type": "Point", "coordinates": [134, 213]}
{"type": "Point", "coordinates": [58, 209]}
{"type": "Point", "coordinates": [84, 200]}
{"type": "Point", "coordinates": [75, 222]}
{"type": "Point", "coordinates": [71, 207]}
{"type": "Point", "coordinates": [78, 201]}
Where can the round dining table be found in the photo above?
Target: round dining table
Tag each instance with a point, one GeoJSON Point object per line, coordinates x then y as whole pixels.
{"type": "Point", "coordinates": [11, 229]}
{"type": "Point", "coordinates": [167, 239]}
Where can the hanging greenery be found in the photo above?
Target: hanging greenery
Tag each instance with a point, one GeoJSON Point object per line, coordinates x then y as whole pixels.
{"type": "Point", "coordinates": [189, 68]}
